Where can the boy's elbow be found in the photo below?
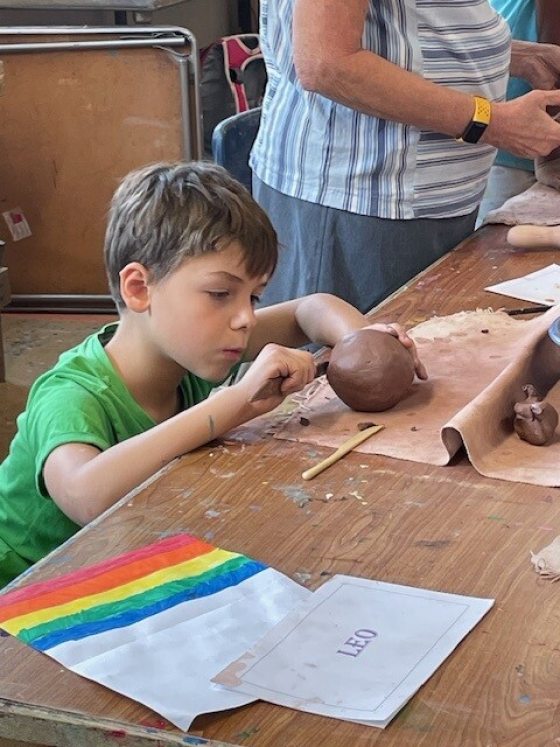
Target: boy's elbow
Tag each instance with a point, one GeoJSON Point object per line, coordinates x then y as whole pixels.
{"type": "Point", "coordinates": [75, 507]}
{"type": "Point", "coordinates": [73, 482]}
{"type": "Point", "coordinates": [78, 502]}
{"type": "Point", "coordinates": [85, 514]}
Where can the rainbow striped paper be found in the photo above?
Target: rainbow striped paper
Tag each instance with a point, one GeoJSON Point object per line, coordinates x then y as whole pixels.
{"type": "Point", "coordinates": [157, 623]}
{"type": "Point", "coordinates": [121, 591]}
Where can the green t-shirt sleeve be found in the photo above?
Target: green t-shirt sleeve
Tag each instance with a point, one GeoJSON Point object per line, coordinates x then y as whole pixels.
{"type": "Point", "coordinates": [64, 413]}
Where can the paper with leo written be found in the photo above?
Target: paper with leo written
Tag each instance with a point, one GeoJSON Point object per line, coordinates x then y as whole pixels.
{"type": "Point", "coordinates": [356, 649]}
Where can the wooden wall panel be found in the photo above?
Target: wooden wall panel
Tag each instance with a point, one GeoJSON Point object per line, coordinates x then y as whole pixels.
{"type": "Point", "coordinates": [72, 123]}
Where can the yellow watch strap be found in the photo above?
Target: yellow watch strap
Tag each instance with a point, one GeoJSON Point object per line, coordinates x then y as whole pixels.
{"type": "Point", "coordinates": [482, 110]}
{"type": "Point", "coordinates": [479, 122]}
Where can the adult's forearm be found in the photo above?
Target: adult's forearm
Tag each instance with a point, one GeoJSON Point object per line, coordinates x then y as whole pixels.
{"type": "Point", "coordinates": [537, 63]}
{"type": "Point", "coordinates": [330, 60]}
{"type": "Point", "coordinates": [364, 81]}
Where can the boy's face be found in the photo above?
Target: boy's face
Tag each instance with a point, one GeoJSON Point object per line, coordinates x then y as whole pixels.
{"type": "Point", "coordinates": [202, 314]}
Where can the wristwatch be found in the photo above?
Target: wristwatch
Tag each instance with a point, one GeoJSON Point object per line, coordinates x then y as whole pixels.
{"type": "Point", "coordinates": [479, 121]}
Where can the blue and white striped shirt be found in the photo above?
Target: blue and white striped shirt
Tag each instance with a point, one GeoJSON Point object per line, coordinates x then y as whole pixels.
{"type": "Point", "coordinates": [314, 149]}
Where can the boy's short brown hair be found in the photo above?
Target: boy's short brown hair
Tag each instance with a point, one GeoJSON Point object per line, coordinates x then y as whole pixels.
{"type": "Point", "coordinates": [166, 212]}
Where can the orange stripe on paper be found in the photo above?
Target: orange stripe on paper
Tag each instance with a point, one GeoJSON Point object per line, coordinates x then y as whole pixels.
{"type": "Point", "coordinates": [102, 577]}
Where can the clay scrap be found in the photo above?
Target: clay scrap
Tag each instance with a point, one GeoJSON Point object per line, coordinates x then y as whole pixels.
{"type": "Point", "coordinates": [547, 562]}
{"type": "Point", "coordinates": [535, 420]}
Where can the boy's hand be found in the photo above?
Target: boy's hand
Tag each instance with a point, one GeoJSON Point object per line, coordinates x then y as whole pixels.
{"type": "Point", "coordinates": [288, 369]}
{"type": "Point", "coordinates": [399, 332]}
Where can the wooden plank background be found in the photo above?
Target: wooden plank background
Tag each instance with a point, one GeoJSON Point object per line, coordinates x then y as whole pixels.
{"type": "Point", "coordinates": [72, 124]}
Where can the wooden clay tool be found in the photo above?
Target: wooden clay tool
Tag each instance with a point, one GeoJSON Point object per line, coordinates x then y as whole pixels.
{"type": "Point", "coordinates": [347, 446]}
{"type": "Point", "coordinates": [525, 310]}
{"type": "Point", "coordinates": [528, 236]}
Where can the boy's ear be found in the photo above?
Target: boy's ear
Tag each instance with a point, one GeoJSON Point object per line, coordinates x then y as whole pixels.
{"type": "Point", "coordinates": [134, 286]}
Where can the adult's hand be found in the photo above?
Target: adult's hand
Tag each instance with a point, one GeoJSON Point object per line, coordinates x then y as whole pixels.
{"type": "Point", "coordinates": [523, 126]}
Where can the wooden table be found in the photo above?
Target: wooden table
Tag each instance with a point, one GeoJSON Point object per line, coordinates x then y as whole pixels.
{"type": "Point", "coordinates": [444, 528]}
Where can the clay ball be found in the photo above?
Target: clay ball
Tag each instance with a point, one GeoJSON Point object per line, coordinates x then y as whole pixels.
{"type": "Point", "coordinates": [370, 371]}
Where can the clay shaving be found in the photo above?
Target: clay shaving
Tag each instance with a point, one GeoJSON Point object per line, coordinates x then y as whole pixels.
{"type": "Point", "coordinates": [547, 562]}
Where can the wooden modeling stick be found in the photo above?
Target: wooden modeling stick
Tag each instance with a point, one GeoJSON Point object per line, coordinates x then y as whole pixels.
{"type": "Point", "coordinates": [347, 446]}
{"type": "Point", "coordinates": [528, 236]}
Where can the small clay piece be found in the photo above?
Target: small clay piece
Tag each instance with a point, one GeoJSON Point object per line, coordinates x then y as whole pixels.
{"type": "Point", "coordinates": [535, 420]}
{"type": "Point", "coordinates": [370, 370]}
{"type": "Point", "coordinates": [304, 421]}
{"type": "Point", "coordinates": [547, 561]}
{"type": "Point", "coordinates": [364, 425]}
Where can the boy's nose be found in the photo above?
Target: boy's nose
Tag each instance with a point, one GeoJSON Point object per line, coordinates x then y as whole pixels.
{"type": "Point", "coordinates": [244, 318]}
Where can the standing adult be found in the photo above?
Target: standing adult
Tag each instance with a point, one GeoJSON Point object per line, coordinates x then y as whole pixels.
{"type": "Point", "coordinates": [529, 20]}
{"type": "Point", "coordinates": [377, 134]}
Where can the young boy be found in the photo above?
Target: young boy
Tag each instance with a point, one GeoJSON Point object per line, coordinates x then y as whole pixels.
{"type": "Point", "coordinates": [188, 253]}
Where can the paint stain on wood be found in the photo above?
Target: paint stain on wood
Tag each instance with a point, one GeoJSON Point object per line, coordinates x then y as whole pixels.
{"type": "Point", "coordinates": [300, 497]}
{"type": "Point", "coordinates": [251, 731]}
{"type": "Point", "coordinates": [436, 544]}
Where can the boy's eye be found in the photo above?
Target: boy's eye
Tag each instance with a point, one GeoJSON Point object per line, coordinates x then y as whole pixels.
{"type": "Point", "coordinates": [219, 295]}
{"type": "Point", "coordinates": [255, 299]}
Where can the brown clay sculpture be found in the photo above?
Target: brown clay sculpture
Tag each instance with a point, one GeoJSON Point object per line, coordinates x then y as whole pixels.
{"type": "Point", "coordinates": [535, 420]}
{"type": "Point", "coordinates": [370, 371]}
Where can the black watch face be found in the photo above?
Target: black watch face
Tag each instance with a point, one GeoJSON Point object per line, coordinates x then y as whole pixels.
{"type": "Point", "coordinates": [474, 133]}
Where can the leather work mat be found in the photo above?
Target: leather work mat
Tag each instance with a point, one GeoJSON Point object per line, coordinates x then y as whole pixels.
{"type": "Point", "coordinates": [539, 206]}
{"type": "Point", "coordinates": [477, 363]}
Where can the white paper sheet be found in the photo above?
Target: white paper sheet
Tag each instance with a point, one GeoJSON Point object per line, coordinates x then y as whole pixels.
{"type": "Point", "coordinates": [356, 649]}
{"type": "Point", "coordinates": [168, 660]}
{"type": "Point", "coordinates": [542, 286]}
{"type": "Point", "coordinates": [156, 623]}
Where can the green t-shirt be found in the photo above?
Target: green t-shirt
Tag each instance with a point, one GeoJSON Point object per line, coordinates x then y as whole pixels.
{"type": "Point", "coordinates": [80, 400]}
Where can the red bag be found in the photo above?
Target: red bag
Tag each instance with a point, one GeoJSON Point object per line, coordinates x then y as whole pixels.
{"type": "Point", "coordinates": [233, 79]}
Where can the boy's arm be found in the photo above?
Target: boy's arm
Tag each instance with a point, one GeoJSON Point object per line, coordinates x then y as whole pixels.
{"type": "Point", "coordinates": [84, 481]}
{"type": "Point", "coordinates": [320, 318]}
